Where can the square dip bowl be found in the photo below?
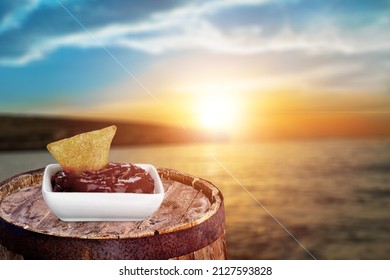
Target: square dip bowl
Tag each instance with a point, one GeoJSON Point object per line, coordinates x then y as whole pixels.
{"type": "Point", "coordinates": [98, 206]}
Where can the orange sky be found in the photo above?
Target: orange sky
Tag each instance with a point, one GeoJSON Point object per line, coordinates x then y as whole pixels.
{"type": "Point", "coordinates": [271, 115]}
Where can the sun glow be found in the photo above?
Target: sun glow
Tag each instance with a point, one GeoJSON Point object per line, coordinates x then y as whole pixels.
{"type": "Point", "coordinates": [218, 113]}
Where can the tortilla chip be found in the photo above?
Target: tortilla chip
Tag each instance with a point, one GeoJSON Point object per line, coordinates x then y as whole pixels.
{"type": "Point", "coordinates": [84, 152]}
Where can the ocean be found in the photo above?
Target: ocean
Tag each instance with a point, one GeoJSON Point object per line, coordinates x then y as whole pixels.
{"type": "Point", "coordinates": [295, 199]}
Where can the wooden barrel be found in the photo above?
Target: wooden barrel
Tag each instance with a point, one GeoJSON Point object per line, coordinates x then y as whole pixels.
{"type": "Point", "coordinates": [190, 224]}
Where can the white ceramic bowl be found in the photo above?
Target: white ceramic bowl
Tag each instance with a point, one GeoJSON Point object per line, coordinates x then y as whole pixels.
{"type": "Point", "coordinates": [93, 206]}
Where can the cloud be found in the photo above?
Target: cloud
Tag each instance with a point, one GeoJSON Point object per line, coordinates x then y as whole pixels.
{"type": "Point", "coordinates": [37, 29]}
{"type": "Point", "coordinates": [14, 16]}
{"type": "Point", "coordinates": [34, 29]}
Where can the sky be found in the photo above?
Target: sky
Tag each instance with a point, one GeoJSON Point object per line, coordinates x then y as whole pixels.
{"type": "Point", "coordinates": [271, 67]}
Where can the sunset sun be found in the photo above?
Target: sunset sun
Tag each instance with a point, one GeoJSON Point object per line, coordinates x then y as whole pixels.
{"type": "Point", "coordinates": [217, 113]}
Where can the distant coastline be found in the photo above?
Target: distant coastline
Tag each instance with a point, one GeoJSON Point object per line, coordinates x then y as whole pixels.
{"type": "Point", "coordinates": [18, 132]}
{"type": "Point", "coordinates": [33, 132]}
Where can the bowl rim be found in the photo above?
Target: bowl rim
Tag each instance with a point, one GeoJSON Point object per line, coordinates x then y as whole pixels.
{"type": "Point", "coordinates": [50, 169]}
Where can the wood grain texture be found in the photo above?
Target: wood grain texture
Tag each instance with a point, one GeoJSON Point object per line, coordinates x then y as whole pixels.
{"type": "Point", "coordinates": [191, 219]}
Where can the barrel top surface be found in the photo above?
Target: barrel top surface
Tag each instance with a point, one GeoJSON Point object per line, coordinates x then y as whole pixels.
{"type": "Point", "coordinates": [188, 201]}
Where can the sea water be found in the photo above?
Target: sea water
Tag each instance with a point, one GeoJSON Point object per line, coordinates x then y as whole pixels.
{"type": "Point", "coordinates": [323, 199]}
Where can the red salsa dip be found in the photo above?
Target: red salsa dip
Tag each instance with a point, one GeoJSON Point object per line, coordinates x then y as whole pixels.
{"type": "Point", "coordinates": [114, 177]}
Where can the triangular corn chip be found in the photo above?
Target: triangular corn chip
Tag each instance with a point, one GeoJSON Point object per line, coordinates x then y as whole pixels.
{"type": "Point", "coordinates": [84, 152]}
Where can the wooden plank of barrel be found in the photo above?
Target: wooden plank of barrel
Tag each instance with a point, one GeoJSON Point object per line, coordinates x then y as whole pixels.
{"type": "Point", "coordinates": [190, 224]}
